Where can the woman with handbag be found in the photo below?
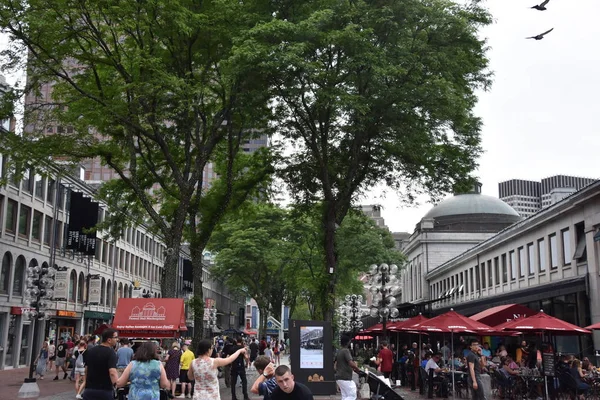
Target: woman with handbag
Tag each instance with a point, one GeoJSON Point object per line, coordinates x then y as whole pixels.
{"type": "Point", "coordinates": [146, 374]}
{"type": "Point", "coordinates": [41, 361]}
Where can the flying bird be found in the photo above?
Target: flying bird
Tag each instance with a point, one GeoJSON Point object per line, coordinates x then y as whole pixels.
{"type": "Point", "coordinates": [541, 35]}
{"type": "Point", "coordinates": [541, 7]}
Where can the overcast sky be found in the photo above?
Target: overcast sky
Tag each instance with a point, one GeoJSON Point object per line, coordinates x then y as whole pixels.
{"type": "Point", "coordinates": [541, 116]}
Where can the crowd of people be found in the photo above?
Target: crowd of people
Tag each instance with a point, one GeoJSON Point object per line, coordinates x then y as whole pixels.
{"type": "Point", "coordinates": [98, 369]}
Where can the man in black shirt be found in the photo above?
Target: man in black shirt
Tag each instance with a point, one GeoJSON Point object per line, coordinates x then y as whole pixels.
{"type": "Point", "coordinates": [101, 368]}
{"type": "Point", "coordinates": [286, 388]}
{"type": "Point", "coordinates": [227, 351]}
{"type": "Point", "coordinates": [238, 368]}
{"type": "Point", "coordinates": [474, 363]}
{"type": "Point", "coordinates": [61, 356]}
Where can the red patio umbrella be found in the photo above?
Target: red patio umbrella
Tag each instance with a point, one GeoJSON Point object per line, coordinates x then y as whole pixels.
{"type": "Point", "coordinates": [451, 322]}
{"type": "Point", "coordinates": [542, 322]}
{"type": "Point", "coordinates": [374, 328]}
{"type": "Point", "coordinates": [594, 326]}
{"type": "Point", "coordinates": [363, 337]}
{"type": "Point", "coordinates": [407, 324]}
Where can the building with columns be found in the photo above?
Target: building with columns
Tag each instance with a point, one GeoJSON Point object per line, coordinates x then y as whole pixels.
{"type": "Point", "coordinates": [549, 261]}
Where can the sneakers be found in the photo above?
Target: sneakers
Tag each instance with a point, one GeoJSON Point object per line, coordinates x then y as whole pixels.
{"type": "Point", "coordinates": [55, 378]}
{"type": "Point", "coordinates": [65, 377]}
{"type": "Point", "coordinates": [181, 396]}
{"type": "Point", "coordinates": [79, 396]}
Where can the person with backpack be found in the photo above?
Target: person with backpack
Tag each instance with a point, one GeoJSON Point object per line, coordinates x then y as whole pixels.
{"type": "Point", "coordinates": [79, 369]}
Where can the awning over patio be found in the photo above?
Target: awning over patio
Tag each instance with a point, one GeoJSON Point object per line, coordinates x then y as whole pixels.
{"type": "Point", "coordinates": [149, 318]}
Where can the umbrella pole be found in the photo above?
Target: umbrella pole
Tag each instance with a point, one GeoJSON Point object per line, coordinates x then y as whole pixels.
{"type": "Point", "coordinates": [452, 362]}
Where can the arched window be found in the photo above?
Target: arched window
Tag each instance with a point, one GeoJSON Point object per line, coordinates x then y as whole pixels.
{"type": "Point", "coordinates": [125, 291]}
{"type": "Point", "coordinates": [109, 300]}
{"type": "Point", "coordinates": [5, 272]}
{"type": "Point", "coordinates": [17, 288]}
{"type": "Point", "coordinates": [120, 293]}
{"type": "Point", "coordinates": [130, 291]}
{"type": "Point", "coordinates": [102, 291]}
{"type": "Point", "coordinates": [80, 287]}
{"type": "Point", "coordinates": [72, 285]}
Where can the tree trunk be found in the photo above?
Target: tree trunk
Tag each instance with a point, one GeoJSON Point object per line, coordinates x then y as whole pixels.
{"type": "Point", "coordinates": [168, 282]}
{"type": "Point", "coordinates": [329, 222]}
{"type": "Point", "coordinates": [264, 315]}
{"type": "Point", "coordinates": [196, 254]}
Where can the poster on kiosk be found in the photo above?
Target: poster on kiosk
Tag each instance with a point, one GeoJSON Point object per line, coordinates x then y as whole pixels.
{"type": "Point", "coordinates": [311, 355]}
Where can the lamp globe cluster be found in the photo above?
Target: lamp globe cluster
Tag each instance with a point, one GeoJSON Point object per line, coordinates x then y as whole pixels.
{"type": "Point", "coordinates": [39, 292]}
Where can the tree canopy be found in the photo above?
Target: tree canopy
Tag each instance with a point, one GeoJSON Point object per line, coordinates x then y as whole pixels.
{"type": "Point", "coordinates": [274, 256]}
{"type": "Point", "coordinates": [368, 92]}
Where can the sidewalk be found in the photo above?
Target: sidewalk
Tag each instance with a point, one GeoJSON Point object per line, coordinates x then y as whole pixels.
{"type": "Point", "coordinates": [12, 379]}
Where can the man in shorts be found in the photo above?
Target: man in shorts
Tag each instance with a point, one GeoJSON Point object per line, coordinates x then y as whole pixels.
{"type": "Point", "coordinates": [61, 357]}
{"type": "Point", "coordinates": [186, 360]}
{"type": "Point", "coordinates": [101, 368]}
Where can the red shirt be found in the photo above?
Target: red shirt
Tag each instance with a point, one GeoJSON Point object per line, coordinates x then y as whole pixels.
{"type": "Point", "coordinates": [387, 359]}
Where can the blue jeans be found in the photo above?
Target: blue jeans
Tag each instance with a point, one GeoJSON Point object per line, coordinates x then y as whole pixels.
{"type": "Point", "coordinates": [98, 394]}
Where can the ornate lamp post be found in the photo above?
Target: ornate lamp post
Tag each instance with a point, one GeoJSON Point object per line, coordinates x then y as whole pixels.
{"type": "Point", "coordinates": [39, 293]}
{"type": "Point", "coordinates": [211, 322]}
{"type": "Point", "coordinates": [383, 284]}
{"type": "Point", "coordinates": [350, 313]}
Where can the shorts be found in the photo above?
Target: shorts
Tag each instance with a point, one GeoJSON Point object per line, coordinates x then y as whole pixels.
{"type": "Point", "coordinates": [80, 371]}
{"type": "Point", "coordinates": [52, 358]}
{"type": "Point", "coordinates": [60, 361]}
{"type": "Point", "coordinates": [183, 377]}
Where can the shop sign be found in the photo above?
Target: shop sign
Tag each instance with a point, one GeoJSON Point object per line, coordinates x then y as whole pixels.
{"type": "Point", "coordinates": [20, 310]}
{"type": "Point", "coordinates": [97, 315]}
{"type": "Point", "coordinates": [61, 284]}
{"type": "Point", "coordinates": [63, 313]}
{"type": "Point", "coordinates": [95, 290]}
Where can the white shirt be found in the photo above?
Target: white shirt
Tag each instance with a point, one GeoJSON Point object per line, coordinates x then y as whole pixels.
{"type": "Point", "coordinates": [431, 364]}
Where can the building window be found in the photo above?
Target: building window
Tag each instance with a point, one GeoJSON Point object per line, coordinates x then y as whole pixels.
{"type": "Point", "coordinates": [580, 250]}
{"type": "Point", "coordinates": [5, 272]}
{"type": "Point", "coordinates": [490, 282]}
{"type": "Point", "coordinates": [19, 276]}
{"type": "Point", "coordinates": [504, 269]}
{"type": "Point", "coordinates": [542, 255]}
{"type": "Point", "coordinates": [497, 270]}
{"type": "Point", "coordinates": [513, 266]}
{"type": "Point", "coordinates": [36, 227]}
{"type": "Point", "coordinates": [24, 218]}
{"type": "Point", "coordinates": [522, 261]}
{"type": "Point", "coordinates": [50, 191]}
{"type": "Point", "coordinates": [553, 252]}
{"type": "Point", "coordinates": [72, 285]}
{"type": "Point", "coordinates": [47, 230]}
{"type": "Point", "coordinates": [478, 278]}
{"type": "Point", "coordinates": [27, 185]}
{"type": "Point", "coordinates": [11, 216]}
{"type": "Point", "coordinates": [530, 258]}
{"type": "Point", "coordinates": [566, 243]}
{"type": "Point", "coordinates": [39, 187]}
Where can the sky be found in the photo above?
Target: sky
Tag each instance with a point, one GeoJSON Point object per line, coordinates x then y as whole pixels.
{"type": "Point", "coordinates": [541, 114]}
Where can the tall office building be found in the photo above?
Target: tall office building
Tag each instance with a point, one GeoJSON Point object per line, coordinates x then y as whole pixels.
{"type": "Point", "coordinates": [529, 197]}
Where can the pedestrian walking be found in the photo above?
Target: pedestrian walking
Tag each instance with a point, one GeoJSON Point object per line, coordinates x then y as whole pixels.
{"type": "Point", "coordinates": [79, 368]}
{"type": "Point", "coordinates": [172, 363]}
{"type": "Point", "coordinates": [228, 349]}
{"type": "Point", "coordinates": [101, 368]}
{"type": "Point", "coordinates": [146, 374]}
{"type": "Point", "coordinates": [238, 369]}
{"type": "Point", "coordinates": [253, 350]}
{"type": "Point", "coordinates": [51, 355]}
{"type": "Point", "coordinates": [276, 351]}
{"type": "Point", "coordinates": [61, 357]}
{"type": "Point", "coordinates": [124, 355]}
{"type": "Point", "coordinates": [474, 363]}
{"type": "Point", "coordinates": [186, 360]}
{"type": "Point", "coordinates": [204, 371]}
{"type": "Point", "coordinates": [41, 361]}
{"type": "Point", "coordinates": [344, 365]}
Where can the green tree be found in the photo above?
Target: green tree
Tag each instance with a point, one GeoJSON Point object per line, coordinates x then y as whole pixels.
{"type": "Point", "coordinates": [273, 255]}
{"type": "Point", "coordinates": [372, 92]}
{"type": "Point", "coordinates": [150, 88]}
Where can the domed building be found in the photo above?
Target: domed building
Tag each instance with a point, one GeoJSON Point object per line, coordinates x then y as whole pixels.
{"type": "Point", "coordinates": [449, 229]}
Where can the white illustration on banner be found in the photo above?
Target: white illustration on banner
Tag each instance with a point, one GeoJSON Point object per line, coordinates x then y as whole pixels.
{"type": "Point", "coordinates": [149, 312]}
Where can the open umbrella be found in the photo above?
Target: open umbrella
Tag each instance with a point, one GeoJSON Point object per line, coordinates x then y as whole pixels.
{"type": "Point", "coordinates": [374, 329]}
{"type": "Point", "coordinates": [451, 322]}
{"type": "Point", "coordinates": [407, 324]}
{"type": "Point", "coordinates": [363, 337]}
{"type": "Point", "coordinates": [594, 326]}
{"type": "Point", "coordinates": [542, 322]}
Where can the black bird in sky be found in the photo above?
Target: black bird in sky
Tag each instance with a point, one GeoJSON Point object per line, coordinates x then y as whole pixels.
{"type": "Point", "coordinates": [541, 35]}
{"type": "Point", "coordinates": [541, 7]}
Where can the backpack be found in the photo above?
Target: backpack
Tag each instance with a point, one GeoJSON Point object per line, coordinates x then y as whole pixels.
{"type": "Point", "coordinates": [79, 363]}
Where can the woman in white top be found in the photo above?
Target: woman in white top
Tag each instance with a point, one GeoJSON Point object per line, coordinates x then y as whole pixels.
{"type": "Point", "coordinates": [203, 371]}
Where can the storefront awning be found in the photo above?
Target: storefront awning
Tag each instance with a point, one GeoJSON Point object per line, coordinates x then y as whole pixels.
{"type": "Point", "coordinates": [500, 314]}
{"type": "Point", "coordinates": [149, 318]}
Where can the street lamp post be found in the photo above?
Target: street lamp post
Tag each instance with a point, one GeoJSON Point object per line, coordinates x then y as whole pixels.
{"type": "Point", "coordinates": [383, 284]}
{"type": "Point", "coordinates": [212, 319]}
{"type": "Point", "coordinates": [350, 314]}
